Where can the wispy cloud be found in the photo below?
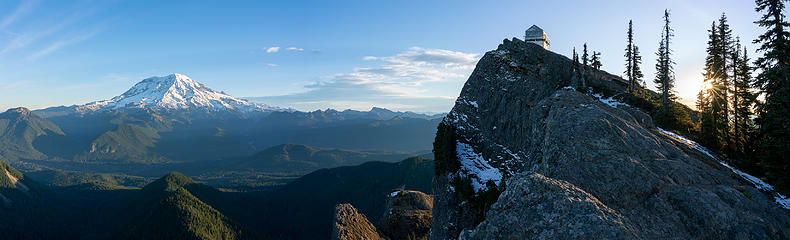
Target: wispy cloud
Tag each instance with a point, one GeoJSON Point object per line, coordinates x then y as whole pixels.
{"type": "Point", "coordinates": [415, 67]}
{"type": "Point", "coordinates": [272, 65]}
{"type": "Point", "coordinates": [277, 49]}
{"type": "Point", "coordinates": [57, 45]}
{"type": "Point", "coordinates": [272, 49]}
{"type": "Point", "coordinates": [24, 39]}
{"type": "Point", "coordinates": [10, 86]}
{"type": "Point", "coordinates": [397, 82]}
{"type": "Point", "coordinates": [19, 12]}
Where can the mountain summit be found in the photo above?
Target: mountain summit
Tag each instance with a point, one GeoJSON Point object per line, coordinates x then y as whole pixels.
{"type": "Point", "coordinates": [174, 92]}
{"type": "Point", "coordinates": [524, 155]}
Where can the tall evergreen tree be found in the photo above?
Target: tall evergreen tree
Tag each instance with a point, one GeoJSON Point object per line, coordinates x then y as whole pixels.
{"type": "Point", "coordinates": [720, 99]}
{"type": "Point", "coordinates": [735, 58]}
{"type": "Point", "coordinates": [585, 57]}
{"type": "Point", "coordinates": [774, 82]}
{"type": "Point", "coordinates": [629, 57]}
{"type": "Point", "coordinates": [575, 60]}
{"type": "Point", "coordinates": [595, 62]}
{"type": "Point", "coordinates": [705, 126]}
{"type": "Point", "coordinates": [665, 79]}
{"type": "Point", "coordinates": [709, 101]}
{"type": "Point", "coordinates": [705, 121]}
{"type": "Point", "coordinates": [577, 69]}
{"type": "Point", "coordinates": [636, 71]}
{"type": "Point", "coordinates": [743, 102]}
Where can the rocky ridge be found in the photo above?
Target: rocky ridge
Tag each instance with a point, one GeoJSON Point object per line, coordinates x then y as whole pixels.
{"type": "Point", "coordinates": [349, 224]}
{"type": "Point", "coordinates": [408, 216]}
{"type": "Point", "coordinates": [559, 163]}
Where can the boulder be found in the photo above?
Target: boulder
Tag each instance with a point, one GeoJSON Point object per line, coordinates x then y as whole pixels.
{"type": "Point", "coordinates": [349, 224]}
{"type": "Point", "coordinates": [408, 215]}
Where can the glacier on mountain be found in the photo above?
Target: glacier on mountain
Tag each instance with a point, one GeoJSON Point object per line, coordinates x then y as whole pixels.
{"type": "Point", "coordinates": [175, 92]}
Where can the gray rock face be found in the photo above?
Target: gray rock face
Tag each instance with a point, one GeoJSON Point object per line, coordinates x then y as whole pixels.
{"type": "Point", "coordinates": [542, 208]}
{"type": "Point", "coordinates": [408, 216]}
{"type": "Point", "coordinates": [570, 166]}
{"type": "Point", "coordinates": [349, 224]}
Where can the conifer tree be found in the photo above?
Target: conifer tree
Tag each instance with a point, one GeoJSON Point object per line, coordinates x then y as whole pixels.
{"type": "Point", "coordinates": [629, 57]}
{"type": "Point", "coordinates": [595, 62]}
{"type": "Point", "coordinates": [636, 71]}
{"type": "Point", "coordinates": [576, 70]}
{"type": "Point", "coordinates": [709, 126]}
{"type": "Point", "coordinates": [705, 126]}
{"type": "Point", "coordinates": [665, 79]}
{"type": "Point", "coordinates": [585, 57]}
{"type": "Point", "coordinates": [735, 58]}
{"type": "Point", "coordinates": [705, 121]}
{"type": "Point", "coordinates": [719, 101]}
{"type": "Point", "coordinates": [774, 83]}
{"type": "Point", "coordinates": [743, 102]}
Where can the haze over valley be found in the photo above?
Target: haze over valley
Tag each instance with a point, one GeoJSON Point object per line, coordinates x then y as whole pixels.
{"type": "Point", "coordinates": [394, 120]}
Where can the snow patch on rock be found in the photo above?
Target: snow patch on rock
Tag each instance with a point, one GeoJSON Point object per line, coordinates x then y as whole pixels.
{"type": "Point", "coordinates": [467, 102]}
{"type": "Point", "coordinates": [477, 168]}
{"type": "Point", "coordinates": [609, 101]}
{"type": "Point", "coordinates": [758, 183]}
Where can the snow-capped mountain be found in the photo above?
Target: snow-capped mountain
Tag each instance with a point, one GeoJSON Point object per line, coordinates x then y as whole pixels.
{"type": "Point", "coordinates": [174, 92]}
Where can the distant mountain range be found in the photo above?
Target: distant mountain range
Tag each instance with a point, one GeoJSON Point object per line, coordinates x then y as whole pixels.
{"type": "Point", "coordinates": [95, 165]}
{"type": "Point", "coordinates": [178, 93]}
{"type": "Point", "coordinates": [174, 92]}
{"type": "Point", "coordinates": [175, 121]}
{"type": "Point", "coordinates": [177, 207]}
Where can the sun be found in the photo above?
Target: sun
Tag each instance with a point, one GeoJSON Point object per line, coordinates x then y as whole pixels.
{"type": "Point", "coordinates": [707, 85]}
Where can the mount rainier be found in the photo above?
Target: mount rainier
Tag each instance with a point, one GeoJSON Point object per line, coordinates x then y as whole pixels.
{"type": "Point", "coordinates": [174, 92]}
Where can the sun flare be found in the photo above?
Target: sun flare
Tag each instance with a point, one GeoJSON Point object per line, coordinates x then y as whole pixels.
{"type": "Point", "coordinates": [707, 85]}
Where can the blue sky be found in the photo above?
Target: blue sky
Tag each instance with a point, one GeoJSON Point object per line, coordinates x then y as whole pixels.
{"type": "Point", "coordinates": [403, 55]}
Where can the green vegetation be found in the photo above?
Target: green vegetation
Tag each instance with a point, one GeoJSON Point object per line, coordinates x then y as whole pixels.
{"type": "Point", "coordinates": [127, 143]}
{"type": "Point", "coordinates": [5, 181]}
{"type": "Point", "coordinates": [726, 101]}
{"type": "Point", "coordinates": [60, 178]}
{"type": "Point", "coordinates": [75, 205]}
{"type": "Point", "coordinates": [732, 121]}
{"type": "Point", "coordinates": [480, 201]}
{"type": "Point", "coordinates": [774, 83]}
{"type": "Point", "coordinates": [305, 206]}
{"type": "Point", "coordinates": [297, 158]}
{"type": "Point", "coordinates": [18, 128]}
{"type": "Point", "coordinates": [445, 156]}
{"type": "Point", "coordinates": [167, 209]}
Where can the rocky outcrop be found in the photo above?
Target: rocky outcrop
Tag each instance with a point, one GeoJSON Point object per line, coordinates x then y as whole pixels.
{"type": "Point", "coordinates": [537, 207]}
{"type": "Point", "coordinates": [524, 155]}
{"type": "Point", "coordinates": [349, 224]}
{"type": "Point", "coordinates": [408, 215]}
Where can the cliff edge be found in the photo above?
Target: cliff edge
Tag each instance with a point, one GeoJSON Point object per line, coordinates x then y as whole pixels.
{"type": "Point", "coordinates": [524, 155]}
